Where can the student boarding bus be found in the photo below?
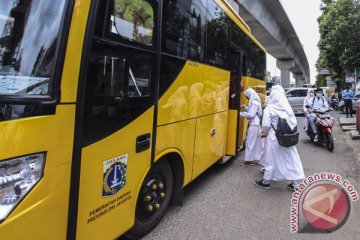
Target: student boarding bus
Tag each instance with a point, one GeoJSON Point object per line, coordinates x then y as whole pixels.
{"type": "Point", "coordinates": [109, 108]}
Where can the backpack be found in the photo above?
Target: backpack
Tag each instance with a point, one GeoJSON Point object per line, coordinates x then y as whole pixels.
{"type": "Point", "coordinates": [286, 136]}
{"type": "Point", "coordinates": [260, 116]}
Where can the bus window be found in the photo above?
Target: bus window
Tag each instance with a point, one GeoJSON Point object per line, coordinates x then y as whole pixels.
{"type": "Point", "coordinates": [256, 62]}
{"type": "Point", "coordinates": [184, 28]}
{"type": "Point", "coordinates": [217, 34]}
{"type": "Point", "coordinates": [27, 45]}
{"type": "Point", "coordinates": [118, 90]}
{"type": "Point", "coordinates": [139, 78]}
{"type": "Point", "coordinates": [29, 32]}
{"type": "Point", "coordinates": [108, 80]}
{"type": "Point", "coordinates": [175, 29]}
{"type": "Point", "coordinates": [133, 20]}
{"type": "Point", "coordinates": [197, 30]}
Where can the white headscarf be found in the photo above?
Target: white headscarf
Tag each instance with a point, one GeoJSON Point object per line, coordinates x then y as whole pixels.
{"type": "Point", "coordinates": [277, 88]}
{"type": "Point", "coordinates": [279, 106]}
{"type": "Point", "coordinates": [253, 99]}
{"type": "Point", "coordinates": [308, 94]}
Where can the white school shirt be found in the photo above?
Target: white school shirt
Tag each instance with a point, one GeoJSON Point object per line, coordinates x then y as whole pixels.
{"type": "Point", "coordinates": [251, 114]}
{"type": "Point", "coordinates": [307, 101]}
{"type": "Point", "coordinates": [320, 102]}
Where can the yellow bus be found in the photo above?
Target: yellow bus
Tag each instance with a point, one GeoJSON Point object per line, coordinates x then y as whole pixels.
{"type": "Point", "coordinates": [109, 108]}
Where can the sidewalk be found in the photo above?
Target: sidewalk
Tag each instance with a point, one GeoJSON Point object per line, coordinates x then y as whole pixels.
{"type": "Point", "coordinates": [349, 137]}
{"type": "Point", "coordinates": [349, 124]}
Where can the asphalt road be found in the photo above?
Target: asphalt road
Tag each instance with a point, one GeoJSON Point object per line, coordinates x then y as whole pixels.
{"type": "Point", "coordinates": [223, 203]}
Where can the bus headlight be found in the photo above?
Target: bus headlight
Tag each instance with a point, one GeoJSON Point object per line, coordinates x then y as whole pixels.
{"type": "Point", "coordinates": [17, 177]}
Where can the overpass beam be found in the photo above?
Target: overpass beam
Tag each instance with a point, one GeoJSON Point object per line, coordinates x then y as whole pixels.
{"type": "Point", "coordinates": [299, 79]}
{"type": "Point", "coordinates": [285, 66]}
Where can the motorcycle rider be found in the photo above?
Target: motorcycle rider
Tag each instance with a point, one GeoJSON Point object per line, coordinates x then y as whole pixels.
{"type": "Point", "coordinates": [333, 101]}
{"type": "Point", "coordinates": [308, 102]}
{"type": "Point", "coordinates": [319, 103]}
{"type": "Point", "coordinates": [333, 97]}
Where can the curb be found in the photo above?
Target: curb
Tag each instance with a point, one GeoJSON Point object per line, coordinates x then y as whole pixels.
{"type": "Point", "coordinates": [346, 128]}
{"type": "Point", "coordinates": [347, 121]}
{"type": "Point", "coordinates": [354, 135]}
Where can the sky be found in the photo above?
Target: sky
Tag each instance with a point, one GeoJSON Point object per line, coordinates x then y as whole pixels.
{"type": "Point", "coordinates": [303, 16]}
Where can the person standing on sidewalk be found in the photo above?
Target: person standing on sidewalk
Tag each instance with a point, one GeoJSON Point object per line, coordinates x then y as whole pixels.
{"type": "Point", "coordinates": [347, 95]}
{"type": "Point", "coordinates": [254, 144]}
{"type": "Point", "coordinates": [282, 163]}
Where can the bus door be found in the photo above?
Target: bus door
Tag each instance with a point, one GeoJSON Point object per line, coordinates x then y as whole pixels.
{"type": "Point", "coordinates": [236, 59]}
{"type": "Point", "coordinates": [117, 116]}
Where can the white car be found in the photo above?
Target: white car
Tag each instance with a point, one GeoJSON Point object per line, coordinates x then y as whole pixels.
{"type": "Point", "coordinates": [296, 98]}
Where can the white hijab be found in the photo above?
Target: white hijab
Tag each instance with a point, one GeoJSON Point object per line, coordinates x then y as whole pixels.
{"type": "Point", "coordinates": [277, 88]}
{"type": "Point", "coordinates": [253, 99]}
{"type": "Point", "coordinates": [279, 106]}
{"type": "Point", "coordinates": [310, 99]}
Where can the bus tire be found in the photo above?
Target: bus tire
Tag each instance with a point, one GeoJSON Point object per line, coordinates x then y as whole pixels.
{"type": "Point", "coordinates": [153, 200]}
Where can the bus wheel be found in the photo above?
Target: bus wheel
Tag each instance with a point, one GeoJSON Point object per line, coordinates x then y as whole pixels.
{"type": "Point", "coordinates": [153, 200]}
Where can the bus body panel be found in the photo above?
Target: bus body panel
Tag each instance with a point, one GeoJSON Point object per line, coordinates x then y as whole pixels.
{"type": "Point", "coordinates": [231, 147]}
{"type": "Point", "coordinates": [209, 141]}
{"type": "Point", "coordinates": [216, 93]}
{"type": "Point", "coordinates": [174, 105]}
{"type": "Point", "coordinates": [198, 90]}
{"type": "Point", "coordinates": [180, 136]}
{"type": "Point", "coordinates": [69, 83]}
{"type": "Point", "coordinates": [42, 214]}
{"type": "Point", "coordinates": [106, 217]}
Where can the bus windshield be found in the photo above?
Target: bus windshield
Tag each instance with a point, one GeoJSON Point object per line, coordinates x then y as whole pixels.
{"type": "Point", "coordinates": [29, 31]}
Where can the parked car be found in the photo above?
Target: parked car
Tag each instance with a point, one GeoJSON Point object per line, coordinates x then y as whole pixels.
{"type": "Point", "coordinates": [355, 103]}
{"type": "Point", "coordinates": [296, 98]}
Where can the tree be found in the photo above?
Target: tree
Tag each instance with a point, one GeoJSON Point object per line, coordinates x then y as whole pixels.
{"type": "Point", "coordinates": [339, 27]}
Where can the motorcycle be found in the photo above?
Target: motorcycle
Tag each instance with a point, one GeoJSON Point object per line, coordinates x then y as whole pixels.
{"type": "Point", "coordinates": [324, 123]}
{"type": "Point", "coordinates": [334, 103]}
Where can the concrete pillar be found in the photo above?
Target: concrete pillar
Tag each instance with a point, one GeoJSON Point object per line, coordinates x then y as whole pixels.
{"type": "Point", "coordinates": [285, 66]}
{"type": "Point", "coordinates": [234, 4]}
{"type": "Point", "coordinates": [299, 79]}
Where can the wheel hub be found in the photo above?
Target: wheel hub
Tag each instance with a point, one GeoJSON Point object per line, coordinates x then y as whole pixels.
{"type": "Point", "coordinates": [152, 197]}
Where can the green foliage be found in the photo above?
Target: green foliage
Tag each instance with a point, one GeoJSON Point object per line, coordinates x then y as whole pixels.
{"type": "Point", "coordinates": [320, 81]}
{"type": "Point", "coordinates": [339, 27]}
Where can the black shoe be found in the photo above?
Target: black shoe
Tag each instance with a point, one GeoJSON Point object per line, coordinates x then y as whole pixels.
{"type": "Point", "coordinates": [247, 163]}
{"type": "Point", "coordinates": [261, 184]}
{"type": "Point", "coordinates": [290, 187]}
